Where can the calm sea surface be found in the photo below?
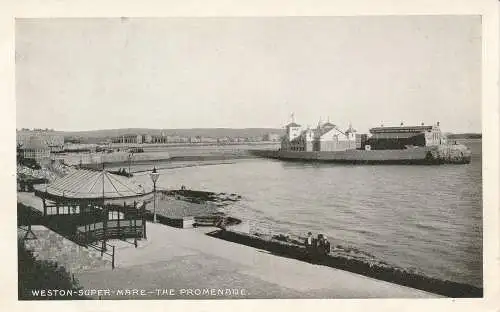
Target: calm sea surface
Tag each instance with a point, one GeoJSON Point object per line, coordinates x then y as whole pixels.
{"type": "Point", "coordinates": [423, 218]}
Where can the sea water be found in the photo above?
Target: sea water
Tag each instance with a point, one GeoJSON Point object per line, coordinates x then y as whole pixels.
{"type": "Point", "coordinates": [426, 219]}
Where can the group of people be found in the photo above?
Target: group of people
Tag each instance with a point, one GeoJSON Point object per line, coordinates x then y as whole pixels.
{"type": "Point", "coordinates": [317, 246]}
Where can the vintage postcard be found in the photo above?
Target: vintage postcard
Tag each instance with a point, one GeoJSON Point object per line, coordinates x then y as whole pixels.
{"type": "Point", "coordinates": [235, 157]}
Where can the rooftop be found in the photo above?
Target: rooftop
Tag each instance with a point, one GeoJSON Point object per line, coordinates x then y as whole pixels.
{"type": "Point", "coordinates": [293, 124]}
{"type": "Point", "coordinates": [328, 125]}
{"type": "Point", "coordinates": [350, 129]}
{"type": "Point", "coordinates": [89, 184]}
{"type": "Point", "coordinates": [400, 129]}
{"type": "Point", "coordinates": [400, 135]}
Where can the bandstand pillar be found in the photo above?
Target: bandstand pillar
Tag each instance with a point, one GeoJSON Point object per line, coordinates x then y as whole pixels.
{"type": "Point", "coordinates": [105, 226]}
{"type": "Point", "coordinates": [135, 224]}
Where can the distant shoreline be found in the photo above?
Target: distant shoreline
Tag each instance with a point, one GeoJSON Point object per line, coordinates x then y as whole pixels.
{"type": "Point", "coordinates": [175, 159]}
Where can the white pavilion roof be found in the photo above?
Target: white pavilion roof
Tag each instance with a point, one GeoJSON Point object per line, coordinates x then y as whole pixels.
{"type": "Point", "coordinates": [90, 184]}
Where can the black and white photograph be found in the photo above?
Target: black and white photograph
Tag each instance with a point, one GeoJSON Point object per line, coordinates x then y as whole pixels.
{"type": "Point", "coordinates": [249, 157]}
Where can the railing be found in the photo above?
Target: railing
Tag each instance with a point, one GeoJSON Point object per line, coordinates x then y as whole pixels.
{"type": "Point", "coordinates": [104, 251]}
{"type": "Point", "coordinates": [114, 230]}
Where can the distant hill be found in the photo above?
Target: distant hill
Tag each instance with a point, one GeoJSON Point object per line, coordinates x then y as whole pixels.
{"type": "Point", "coordinates": [205, 132]}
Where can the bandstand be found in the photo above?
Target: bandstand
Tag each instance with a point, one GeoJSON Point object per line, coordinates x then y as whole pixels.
{"type": "Point", "coordinates": [91, 207]}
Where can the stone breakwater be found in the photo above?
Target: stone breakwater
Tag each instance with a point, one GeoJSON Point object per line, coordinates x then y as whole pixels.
{"type": "Point", "coordinates": [285, 247]}
{"type": "Point", "coordinates": [51, 246]}
{"type": "Point", "coordinates": [95, 160]}
{"type": "Point", "coordinates": [193, 196]}
{"type": "Point", "coordinates": [428, 155]}
{"type": "Point", "coordinates": [207, 208]}
{"type": "Point", "coordinates": [91, 159]}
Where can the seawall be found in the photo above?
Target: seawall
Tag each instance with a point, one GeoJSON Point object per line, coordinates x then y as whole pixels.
{"type": "Point", "coordinates": [384, 273]}
{"type": "Point", "coordinates": [453, 154]}
{"type": "Point", "coordinates": [90, 160]}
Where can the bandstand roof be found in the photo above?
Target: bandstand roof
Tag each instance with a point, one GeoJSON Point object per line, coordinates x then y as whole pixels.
{"type": "Point", "coordinates": [90, 184]}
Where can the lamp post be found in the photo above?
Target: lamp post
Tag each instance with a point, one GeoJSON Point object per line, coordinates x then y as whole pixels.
{"type": "Point", "coordinates": [154, 177]}
{"type": "Point", "coordinates": [130, 155]}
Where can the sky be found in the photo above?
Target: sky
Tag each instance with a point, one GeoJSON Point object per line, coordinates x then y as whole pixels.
{"type": "Point", "coordinates": [248, 72]}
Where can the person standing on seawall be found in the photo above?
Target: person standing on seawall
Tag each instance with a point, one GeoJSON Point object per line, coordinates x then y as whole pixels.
{"type": "Point", "coordinates": [326, 245]}
{"type": "Point", "coordinates": [308, 243]}
{"type": "Point", "coordinates": [320, 247]}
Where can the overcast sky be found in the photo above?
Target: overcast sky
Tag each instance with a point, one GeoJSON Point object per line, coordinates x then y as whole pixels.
{"type": "Point", "coordinates": [85, 74]}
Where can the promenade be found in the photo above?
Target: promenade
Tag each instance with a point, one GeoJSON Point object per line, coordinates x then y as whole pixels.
{"type": "Point", "coordinates": [178, 260]}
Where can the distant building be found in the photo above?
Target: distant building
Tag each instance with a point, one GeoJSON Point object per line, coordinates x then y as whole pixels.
{"type": "Point", "coordinates": [208, 140]}
{"type": "Point", "coordinates": [147, 138]}
{"type": "Point", "coordinates": [271, 137]}
{"type": "Point", "coordinates": [172, 139]}
{"type": "Point", "coordinates": [176, 139]}
{"type": "Point", "coordinates": [195, 139]}
{"type": "Point", "coordinates": [80, 147]}
{"type": "Point", "coordinates": [326, 137]}
{"type": "Point", "coordinates": [405, 136]}
{"type": "Point", "coordinates": [35, 148]}
{"type": "Point", "coordinates": [224, 140]}
{"type": "Point", "coordinates": [158, 139]}
{"type": "Point", "coordinates": [361, 140]}
{"type": "Point", "coordinates": [253, 139]}
{"type": "Point", "coordinates": [128, 139]}
{"type": "Point", "coordinates": [49, 138]}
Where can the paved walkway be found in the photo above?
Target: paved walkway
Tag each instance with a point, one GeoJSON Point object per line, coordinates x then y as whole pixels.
{"type": "Point", "coordinates": [180, 263]}
{"type": "Point", "coordinates": [182, 259]}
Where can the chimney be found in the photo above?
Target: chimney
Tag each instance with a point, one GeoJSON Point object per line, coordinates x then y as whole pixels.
{"type": "Point", "coordinates": [422, 124]}
{"type": "Point", "coordinates": [437, 123]}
